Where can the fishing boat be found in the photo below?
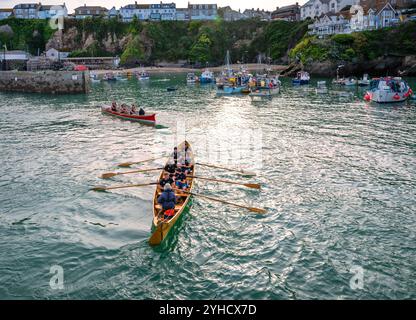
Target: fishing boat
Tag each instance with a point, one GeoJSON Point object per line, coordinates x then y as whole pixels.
{"type": "Point", "coordinates": [146, 119]}
{"type": "Point", "coordinates": [388, 90]}
{"type": "Point", "coordinates": [160, 227]}
{"type": "Point", "coordinates": [302, 78]}
{"type": "Point", "coordinates": [260, 94]}
{"type": "Point", "coordinates": [143, 75]}
{"type": "Point", "coordinates": [170, 89]}
{"type": "Point", "coordinates": [119, 77]}
{"type": "Point", "coordinates": [321, 87]}
{"type": "Point", "coordinates": [109, 77]}
{"type": "Point", "coordinates": [350, 82]}
{"type": "Point", "coordinates": [94, 78]}
{"type": "Point", "coordinates": [191, 78]}
{"type": "Point", "coordinates": [364, 81]}
{"type": "Point", "coordinates": [207, 77]}
{"type": "Point", "coordinates": [225, 90]}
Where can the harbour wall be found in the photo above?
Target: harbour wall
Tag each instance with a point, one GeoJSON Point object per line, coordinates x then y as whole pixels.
{"type": "Point", "coordinates": [54, 82]}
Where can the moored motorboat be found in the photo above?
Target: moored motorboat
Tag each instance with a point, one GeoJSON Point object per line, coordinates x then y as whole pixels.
{"type": "Point", "coordinates": [109, 77]}
{"type": "Point", "coordinates": [207, 77]}
{"type": "Point", "coordinates": [160, 226]}
{"type": "Point", "coordinates": [224, 90]}
{"type": "Point", "coordinates": [388, 90]}
{"type": "Point", "coordinates": [191, 78]}
{"type": "Point", "coordinates": [147, 118]}
{"type": "Point", "coordinates": [143, 75]}
{"type": "Point", "coordinates": [302, 78]}
{"type": "Point", "coordinates": [364, 81]}
{"type": "Point", "coordinates": [260, 94]}
{"type": "Point", "coordinates": [350, 82]}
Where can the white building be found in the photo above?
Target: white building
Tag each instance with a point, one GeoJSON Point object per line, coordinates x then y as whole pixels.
{"type": "Point", "coordinates": [54, 54]}
{"type": "Point", "coordinates": [202, 11]}
{"type": "Point", "coordinates": [113, 13]}
{"type": "Point", "coordinates": [14, 55]}
{"type": "Point", "coordinates": [316, 8]}
{"type": "Point", "coordinates": [26, 10]}
{"type": "Point", "coordinates": [182, 14]}
{"type": "Point", "coordinates": [160, 11]}
{"type": "Point", "coordinates": [47, 12]}
{"type": "Point", "coordinates": [5, 13]}
{"type": "Point", "coordinates": [329, 24]}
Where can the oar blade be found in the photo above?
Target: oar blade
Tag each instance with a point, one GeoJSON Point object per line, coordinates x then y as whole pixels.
{"type": "Point", "coordinates": [248, 173]}
{"type": "Point", "coordinates": [257, 210]}
{"type": "Point", "coordinates": [99, 189]}
{"type": "Point", "coordinates": [108, 175]}
{"type": "Point", "coordinates": [252, 185]}
{"type": "Point", "coordinates": [125, 164]}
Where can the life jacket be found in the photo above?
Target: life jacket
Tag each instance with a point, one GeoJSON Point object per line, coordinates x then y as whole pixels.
{"type": "Point", "coordinates": [169, 213]}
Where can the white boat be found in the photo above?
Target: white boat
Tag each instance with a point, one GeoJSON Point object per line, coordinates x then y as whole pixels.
{"type": "Point", "coordinates": [143, 75]}
{"type": "Point", "coordinates": [364, 81]}
{"type": "Point", "coordinates": [119, 77]}
{"type": "Point", "coordinates": [388, 90]}
{"type": "Point", "coordinates": [109, 77]}
{"type": "Point", "coordinates": [191, 78]}
{"type": "Point", "coordinates": [321, 87]}
{"type": "Point", "coordinates": [94, 78]}
{"type": "Point", "coordinates": [260, 94]}
{"type": "Point", "coordinates": [302, 77]}
{"type": "Point", "coordinates": [207, 77]}
{"type": "Point", "coordinates": [350, 82]}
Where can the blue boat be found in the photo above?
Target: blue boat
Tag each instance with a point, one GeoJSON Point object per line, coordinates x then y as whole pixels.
{"type": "Point", "coordinates": [230, 90]}
{"type": "Point", "coordinates": [302, 78]}
{"type": "Point", "coordinates": [206, 77]}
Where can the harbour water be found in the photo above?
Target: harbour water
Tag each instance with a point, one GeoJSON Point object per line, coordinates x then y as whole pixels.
{"type": "Point", "coordinates": [338, 180]}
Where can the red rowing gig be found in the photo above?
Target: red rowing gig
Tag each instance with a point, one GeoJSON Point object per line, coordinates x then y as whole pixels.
{"type": "Point", "coordinates": [150, 118]}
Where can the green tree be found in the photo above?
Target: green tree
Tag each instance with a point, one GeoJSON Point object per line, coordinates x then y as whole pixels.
{"type": "Point", "coordinates": [200, 51]}
{"type": "Point", "coordinates": [133, 52]}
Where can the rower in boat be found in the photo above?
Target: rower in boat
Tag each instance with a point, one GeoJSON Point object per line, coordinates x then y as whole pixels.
{"type": "Point", "coordinates": [133, 109]}
{"type": "Point", "coordinates": [168, 201]}
{"type": "Point", "coordinates": [141, 111]}
{"type": "Point", "coordinates": [170, 167]}
{"type": "Point", "coordinates": [175, 155]}
{"type": "Point", "coordinates": [181, 184]}
{"type": "Point", "coordinates": [166, 179]}
{"type": "Point", "coordinates": [114, 106]}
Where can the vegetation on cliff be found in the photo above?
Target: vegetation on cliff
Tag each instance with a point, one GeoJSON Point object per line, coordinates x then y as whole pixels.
{"type": "Point", "coordinates": [358, 46]}
{"type": "Point", "coordinates": [198, 42]}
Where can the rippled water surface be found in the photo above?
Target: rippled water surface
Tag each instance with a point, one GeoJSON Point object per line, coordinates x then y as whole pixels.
{"type": "Point", "coordinates": [338, 177]}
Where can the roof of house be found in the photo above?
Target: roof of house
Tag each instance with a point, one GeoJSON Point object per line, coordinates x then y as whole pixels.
{"type": "Point", "coordinates": [6, 10]}
{"type": "Point", "coordinates": [91, 8]}
{"type": "Point", "coordinates": [26, 6]}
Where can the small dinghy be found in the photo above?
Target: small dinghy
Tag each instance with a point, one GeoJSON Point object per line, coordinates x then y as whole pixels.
{"type": "Point", "coordinates": [170, 89]}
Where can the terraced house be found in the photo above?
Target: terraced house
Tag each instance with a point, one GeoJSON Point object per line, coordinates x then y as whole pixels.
{"type": "Point", "coordinates": [26, 10]}
{"type": "Point", "coordinates": [5, 13]}
{"type": "Point", "coordinates": [90, 12]}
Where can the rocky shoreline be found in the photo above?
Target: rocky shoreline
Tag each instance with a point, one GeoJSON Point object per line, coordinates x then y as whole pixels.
{"type": "Point", "coordinates": [385, 66]}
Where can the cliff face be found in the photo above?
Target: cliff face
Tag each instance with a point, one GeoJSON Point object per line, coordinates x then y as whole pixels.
{"type": "Point", "coordinates": [72, 40]}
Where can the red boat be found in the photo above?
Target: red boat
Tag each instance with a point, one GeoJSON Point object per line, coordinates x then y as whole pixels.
{"type": "Point", "coordinates": [148, 119]}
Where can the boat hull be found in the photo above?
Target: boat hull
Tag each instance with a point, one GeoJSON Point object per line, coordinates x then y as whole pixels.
{"type": "Point", "coordinates": [386, 96]}
{"type": "Point", "coordinates": [160, 231]}
{"type": "Point", "coordinates": [300, 82]}
{"type": "Point", "coordinates": [147, 119]}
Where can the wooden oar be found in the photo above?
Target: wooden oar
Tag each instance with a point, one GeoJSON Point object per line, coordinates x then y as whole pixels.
{"type": "Point", "coordinates": [243, 172]}
{"type": "Point", "coordinates": [248, 185]}
{"type": "Point", "coordinates": [252, 209]}
{"type": "Point", "coordinates": [112, 174]}
{"type": "Point", "coordinates": [128, 164]}
{"type": "Point", "coordinates": [100, 188]}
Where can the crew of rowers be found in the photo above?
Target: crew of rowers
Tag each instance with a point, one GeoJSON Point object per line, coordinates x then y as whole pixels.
{"type": "Point", "coordinates": [174, 178]}
{"type": "Point", "coordinates": [124, 108]}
